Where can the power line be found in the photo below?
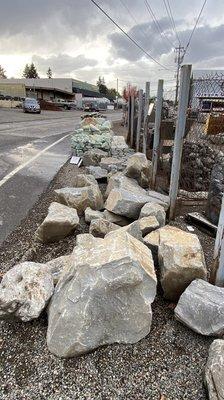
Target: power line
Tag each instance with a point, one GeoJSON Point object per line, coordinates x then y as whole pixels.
{"type": "Point", "coordinates": [132, 16]}
{"type": "Point", "coordinates": [128, 36]}
{"type": "Point", "coordinates": [156, 22]}
{"type": "Point", "coordinates": [170, 16]}
{"type": "Point", "coordinates": [195, 26]}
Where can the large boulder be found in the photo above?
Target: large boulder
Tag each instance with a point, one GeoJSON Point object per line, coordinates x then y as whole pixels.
{"type": "Point", "coordinates": [120, 181]}
{"type": "Point", "coordinates": [181, 260]}
{"type": "Point", "coordinates": [159, 198]}
{"type": "Point", "coordinates": [132, 229]}
{"type": "Point", "coordinates": [93, 157]}
{"type": "Point", "coordinates": [86, 194]}
{"type": "Point", "coordinates": [148, 224]}
{"type": "Point", "coordinates": [57, 265]}
{"type": "Point", "coordinates": [139, 168]}
{"type": "Point", "coordinates": [59, 223]}
{"type": "Point", "coordinates": [126, 203]}
{"type": "Point", "coordinates": [214, 370]}
{"type": "Point", "coordinates": [103, 298]}
{"type": "Point", "coordinates": [99, 173]}
{"type": "Point", "coordinates": [201, 308]}
{"type": "Point", "coordinates": [156, 210]}
{"type": "Point", "coordinates": [100, 227]}
{"type": "Point", "coordinates": [25, 291]}
{"type": "Point", "coordinates": [115, 219]}
{"type": "Point", "coordinates": [112, 164]}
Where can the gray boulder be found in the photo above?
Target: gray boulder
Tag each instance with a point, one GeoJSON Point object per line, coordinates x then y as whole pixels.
{"type": "Point", "coordinates": [201, 308]}
{"type": "Point", "coordinates": [112, 164]}
{"type": "Point", "coordinates": [159, 198]}
{"type": "Point", "coordinates": [92, 214]}
{"type": "Point", "coordinates": [57, 265]}
{"type": "Point", "coordinates": [59, 223]}
{"type": "Point", "coordinates": [126, 203]}
{"type": "Point", "coordinates": [139, 168]}
{"type": "Point", "coordinates": [214, 371]}
{"type": "Point", "coordinates": [115, 219]}
{"type": "Point", "coordinates": [105, 297]}
{"type": "Point", "coordinates": [86, 194]}
{"type": "Point", "coordinates": [98, 172]}
{"type": "Point", "coordinates": [93, 156]}
{"type": "Point", "coordinates": [156, 210]}
{"type": "Point", "coordinates": [25, 291]}
{"type": "Point", "coordinates": [120, 181]}
{"type": "Point", "coordinates": [148, 224]}
{"type": "Point", "coordinates": [100, 227]}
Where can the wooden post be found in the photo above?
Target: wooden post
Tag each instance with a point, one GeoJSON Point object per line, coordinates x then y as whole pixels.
{"type": "Point", "coordinates": [217, 273]}
{"type": "Point", "coordinates": [128, 117]}
{"type": "Point", "coordinates": [156, 139]}
{"type": "Point", "coordinates": [146, 108]}
{"type": "Point", "coordinates": [185, 76]}
{"type": "Point", "coordinates": [140, 107]}
{"type": "Point", "coordinates": [132, 119]}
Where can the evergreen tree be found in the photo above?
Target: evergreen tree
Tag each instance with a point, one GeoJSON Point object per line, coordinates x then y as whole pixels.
{"type": "Point", "coordinates": [102, 86]}
{"type": "Point", "coordinates": [2, 73]}
{"type": "Point", "coordinates": [49, 73]}
{"type": "Point", "coordinates": [30, 71]}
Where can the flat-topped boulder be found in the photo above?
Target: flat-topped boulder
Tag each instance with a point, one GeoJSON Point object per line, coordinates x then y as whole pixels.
{"type": "Point", "coordinates": [201, 308]}
{"type": "Point", "coordinates": [156, 210]}
{"type": "Point", "coordinates": [99, 173]}
{"type": "Point", "coordinates": [61, 220]}
{"type": "Point", "coordinates": [112, 164]}
{"type": "Point", "coordinates": [139, 168]}
{"type": "Point", "coordinates": [104, 297]}
{"type": "Point", "coordinates": [86, 194]}
{"type": "Point", "coordinates": [100, 227]}
{"type": "Point", "coordinates": [214, 370]}
{"type": "Point", "coordinates": [25, 291]}
{"type": "Point", "coordinates": [120, 181]}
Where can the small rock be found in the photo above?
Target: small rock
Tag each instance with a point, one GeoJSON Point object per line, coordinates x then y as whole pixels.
{"type": "Point", "coordinates": [201, 308]}
{"type": "Point", "coordinates": [139, 168]}
{"type": "Point", "coordinates": [25, 291]}
{"type": "Point", "coordinates": [92, 214]}
{"type": "Point", "coordinates": [100, 227]}
{"type": "Point", "coordinates": [112, 164]}
{"type": "Point", "coordinates": [156, 210]}
{"type": "Point", "coordinates": [214, 370]}
{"type": "Point", "coordinates": [148, 224]}
{"type": "Point", "coordinates": [93, 157]}
{"type": "Point", "coordinates": [59, 223]}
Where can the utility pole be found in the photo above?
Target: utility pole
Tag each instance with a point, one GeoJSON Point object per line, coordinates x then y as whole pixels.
{"type": "Point", "coordinates": [178, 60]}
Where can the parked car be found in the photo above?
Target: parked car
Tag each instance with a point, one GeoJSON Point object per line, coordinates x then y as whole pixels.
{"type": "Point", "coordinates": [31, 105]}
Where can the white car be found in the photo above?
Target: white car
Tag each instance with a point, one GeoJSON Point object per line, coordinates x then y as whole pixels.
{"type": "Point", "coordinates": [31, 105]}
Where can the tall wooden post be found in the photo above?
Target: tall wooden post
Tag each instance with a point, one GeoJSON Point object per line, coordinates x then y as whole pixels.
{"type": "Point", "coordinates": [156, 139]}
{"type": "Point", "coordinates": [140, 108]}
{"type": "Point", "coordinates": [146, 108]}
{"type": "Point", "coordinates": [132, 118]}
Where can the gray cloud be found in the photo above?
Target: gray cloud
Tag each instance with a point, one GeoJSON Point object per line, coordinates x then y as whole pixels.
{"type": "Point", "coordinates": [63, 64]}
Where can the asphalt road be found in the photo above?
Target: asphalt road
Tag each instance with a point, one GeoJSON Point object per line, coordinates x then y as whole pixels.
{"type": "Point", "coordinates": [32, 150]}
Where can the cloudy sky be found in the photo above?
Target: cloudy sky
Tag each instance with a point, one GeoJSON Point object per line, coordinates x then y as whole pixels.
{"type": "Point", "coordinates": [76, 40]}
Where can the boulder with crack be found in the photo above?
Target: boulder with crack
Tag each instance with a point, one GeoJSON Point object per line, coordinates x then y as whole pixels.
{"type": "Point", "coordinates": [100, 227]}
{"type": "Point", "coordinates": [104, 297]}
{"type": "Point", "coordinates": [86, 194]}
{"type": "Point", "coordinates": [156, 210]}
{"type": "Point", "coordinates": [59, 223]}
{"type": "Point", "coordinates": [181, 260]}
{"type": "Point", "coordinates": [214, 370]}
{"type": "Point", "coordinates": [25, 291]}
{"type": "Point", "coordinates": [139, 168]}
{"type": "Point", "coordinates": [201, 308]}
{"type": "Point", "coordinates": [126, 203]}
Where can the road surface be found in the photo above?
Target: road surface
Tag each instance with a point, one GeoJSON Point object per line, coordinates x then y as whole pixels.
{"type": "Point", "coordinates": [32, 150]}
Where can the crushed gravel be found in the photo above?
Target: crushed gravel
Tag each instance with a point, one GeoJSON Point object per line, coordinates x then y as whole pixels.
{"type": "Point", "coordinates": [169, 362]}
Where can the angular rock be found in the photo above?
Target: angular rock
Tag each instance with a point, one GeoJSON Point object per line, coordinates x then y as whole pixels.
{"type": "Point", "coordinates": [82, 196]}
{"type": "Point", "coordinates": [126, 203]}
{"type": "Point", "coordinates": [103, 298]}
{"type": "Point", "coordinates": [148, 224]}
{"type": "Point", "coordinates": [120, 181]}
{"type": "Point", "coordinates": [156, 210]}
{"type": "Point", "coordinates": [115, 219]}
{"type": "Point", "coordinates": [25, 291]}
{"type": "Point", "coordinates": [214, 370]}
{"type": "Point", "coordinates": [139, 168]}
{"type": "Point", "coordinates": [181, 260]}
{"type": "Point", "coordinates": [93, 157]}
{"type": "Point", "coordinates": [59, 223]}
{"type": "Point", "coordinates": [132, 229]}
{"type": "Point", "coordinates": [112, 164]}
{"type": "Point", "coordinates": [201, 308]}
{"type": "Point", "coordinates": [57, 265]}
{"type": "Point", "coordinates": [152, 242]}
{"type": "Point", "coordinates": [92, 214]}
{"type": "Point", "coordinates": [100, 227]}
{"type": "Point", "coordinates": [98, 172]}
{"type": "Point", "coordinates": [159, 198]}
{"type": "Point", "coordinates": [85, 239]}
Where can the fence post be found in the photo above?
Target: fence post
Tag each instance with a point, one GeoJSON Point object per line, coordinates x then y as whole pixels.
{"type": "Point", "coordinates": [156, 138]}
{"type": "Point", "coordinates": [146, 108]}
{"type": "Point", "coordinates": [132, 119]}
{"type": "Point", "coordinates": [140, 107]}
{"type": "Point", "coordinates": [128, 117]}
{"type": "Point", "coordinates": [185, 76]}
{"type": "Point", "coordinates": [217, 273]}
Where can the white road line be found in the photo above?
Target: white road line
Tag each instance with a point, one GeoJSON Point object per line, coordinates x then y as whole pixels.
{"type": "Point", "coordinates": [12, 173]}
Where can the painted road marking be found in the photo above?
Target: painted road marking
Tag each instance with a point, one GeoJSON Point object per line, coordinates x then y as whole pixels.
{"type": "Point", "coordinates": [12, 173]}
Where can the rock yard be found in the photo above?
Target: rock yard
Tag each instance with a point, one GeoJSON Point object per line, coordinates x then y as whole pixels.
{"type": "Point", "coordinates": [100, 297]}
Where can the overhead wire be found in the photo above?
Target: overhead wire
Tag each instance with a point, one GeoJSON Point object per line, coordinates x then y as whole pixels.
{"type": "Point", "coordinates": [133, 18]}
{"type": "Point", "coordinates": [170, 16]}
{"type": "Point", "coordinates": [128, 36]}
{"type": "Point", "coordinates": [195, 26]}
{"type": "Point", "coordinates": [156, 22]}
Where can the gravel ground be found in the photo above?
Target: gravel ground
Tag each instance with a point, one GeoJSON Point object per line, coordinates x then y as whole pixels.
{"type": "Point", "coordinates": [168, 364]}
